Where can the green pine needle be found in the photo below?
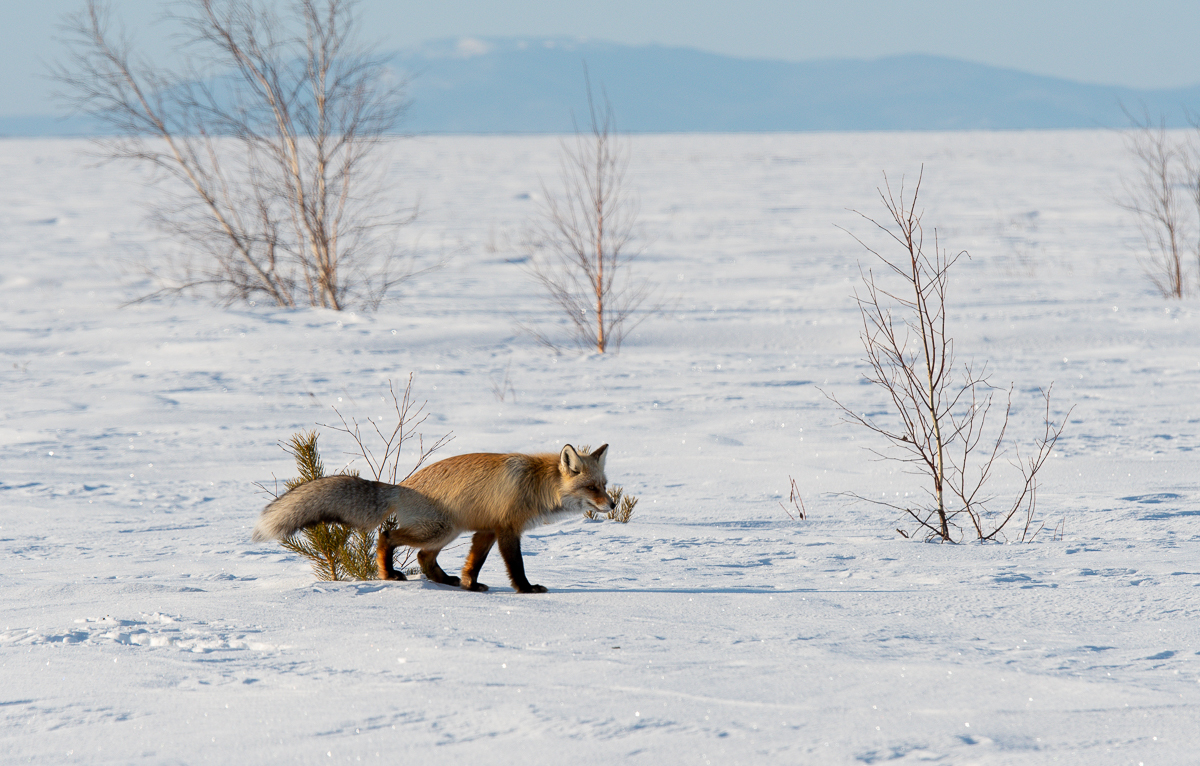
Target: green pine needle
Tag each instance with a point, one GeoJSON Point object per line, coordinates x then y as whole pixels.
{"type": "Point", "coordinates": [336, 551]}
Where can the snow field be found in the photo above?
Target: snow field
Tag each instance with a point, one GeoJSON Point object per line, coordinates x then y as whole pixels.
{"type": "Point", "coordinates": [140, 624]}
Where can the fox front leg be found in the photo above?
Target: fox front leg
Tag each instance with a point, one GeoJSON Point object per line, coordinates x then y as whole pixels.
{"type": "Point", "coordinates": [481, 545]}
{"type": "Point", "coordinates": [510, 549]}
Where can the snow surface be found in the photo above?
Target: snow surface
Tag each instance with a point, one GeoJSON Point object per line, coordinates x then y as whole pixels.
{"type": "Point", "coordinates": [141, 625]}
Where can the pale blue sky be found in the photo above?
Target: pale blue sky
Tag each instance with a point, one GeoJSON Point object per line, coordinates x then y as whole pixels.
{"type": "Point", "coordinates": [1139, 43]}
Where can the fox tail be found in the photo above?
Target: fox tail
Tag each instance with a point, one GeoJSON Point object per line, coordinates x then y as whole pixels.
{"type": "Point", "coordinates": [360, 503]}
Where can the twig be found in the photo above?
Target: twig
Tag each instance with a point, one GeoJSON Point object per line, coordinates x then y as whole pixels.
{"type": "Point", "coordinates": [798, 512]}
{"type": "Point", "coordinates": [409, 416]}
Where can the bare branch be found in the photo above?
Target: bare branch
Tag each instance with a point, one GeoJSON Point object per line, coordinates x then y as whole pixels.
{"type": "Point", "coordinates": [385, 465]}
{"type": "Point", "coordinates": [798, 512]}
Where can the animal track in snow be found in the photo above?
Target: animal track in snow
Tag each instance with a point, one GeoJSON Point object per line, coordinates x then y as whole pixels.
{"type": "Point", "coordinates": [153, 630]}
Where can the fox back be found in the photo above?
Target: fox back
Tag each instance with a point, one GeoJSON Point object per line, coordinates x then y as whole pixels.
{"type": "Point", "coordinates": [491, 491]}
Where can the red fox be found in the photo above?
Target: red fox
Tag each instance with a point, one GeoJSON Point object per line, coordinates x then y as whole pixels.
{"type": "Point", "coordinates": [496, 496]}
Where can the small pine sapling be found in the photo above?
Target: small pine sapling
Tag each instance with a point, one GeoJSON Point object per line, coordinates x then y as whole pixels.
{"type": "Point", "coordinates": [623, 510]}
{"type": "Point", "coordinates": [336, 551]}
{"type": "Point", "coordinates": [624, 505]}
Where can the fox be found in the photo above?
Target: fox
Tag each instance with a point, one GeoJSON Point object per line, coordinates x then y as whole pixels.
{"type": "Point", "coordinates": [495, 495]}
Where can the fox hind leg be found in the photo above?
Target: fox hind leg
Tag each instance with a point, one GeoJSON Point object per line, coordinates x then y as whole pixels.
{"type": "Point", "coordinates": [383, 558]}
{"type": "Point", "coordinates": [481, 544]}
{"type": "Point", "coordinates": [430, 538]}
{"type": "Point", "coordinates": [433, 571]}
{"type": "Point", "coordinates": [510, 549]}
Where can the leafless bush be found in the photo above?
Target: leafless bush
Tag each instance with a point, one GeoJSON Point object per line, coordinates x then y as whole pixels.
{"type": "Point", "coordinates": [402, 426]}
{"type": "Point", "coordinates": [579, 247]}
{"type": "Point", "coordinates": [1166, 171]}
{"type": "Point", "coordinates": [266, 138]}
{"type": "Point", "coordinates": [941, 419]}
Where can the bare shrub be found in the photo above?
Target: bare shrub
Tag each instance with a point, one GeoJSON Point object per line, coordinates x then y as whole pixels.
{"type": "Point", "coordinates": [940, 426]}
{"type": "Point", "coordinates": [408, 417]}
{"type": "Point", "coordinates": [1165, 171]}
{"type": "Point", "coordinates": [579, 247]}
{"type": "Point", "coordinates": [263, 145]}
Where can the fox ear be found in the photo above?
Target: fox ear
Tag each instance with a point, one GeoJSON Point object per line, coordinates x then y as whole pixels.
{"type": "Point", "coordinates": [598, 455]}
{"type": "Point", "coordinates": [569, 459]}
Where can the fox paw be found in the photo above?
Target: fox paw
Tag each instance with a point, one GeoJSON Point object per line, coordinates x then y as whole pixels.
{"type": "Point", "coordinates": [532, 589]}
{"type": "Point", "coordinates": [478, 587]}
{"type": "Point", "coordinates": [392, 576]}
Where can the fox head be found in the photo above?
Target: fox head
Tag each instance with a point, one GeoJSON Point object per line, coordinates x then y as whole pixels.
{"type": "Point", "coordinates": [583, 480]}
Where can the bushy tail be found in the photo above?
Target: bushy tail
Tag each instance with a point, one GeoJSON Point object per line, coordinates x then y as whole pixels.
{"type": "Point", "coordinates": [343, 499]}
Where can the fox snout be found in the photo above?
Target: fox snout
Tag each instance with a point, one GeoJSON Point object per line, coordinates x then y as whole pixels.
{"type": "Point", "coordinates": [607, 503]}
{"type": "Point", "coordinates": [588, 499]}
{"type": "Point", "coordinates": [598, 499]}
{"type": "Point", "coordinates": [596, 495]}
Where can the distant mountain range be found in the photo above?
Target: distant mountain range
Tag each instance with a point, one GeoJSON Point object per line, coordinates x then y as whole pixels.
{"type": "Point", "coordinates": [510, 85]}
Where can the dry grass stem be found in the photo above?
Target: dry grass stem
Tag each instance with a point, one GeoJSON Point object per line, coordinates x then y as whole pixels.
{"type": "Point", "coordinates": [797, 512]}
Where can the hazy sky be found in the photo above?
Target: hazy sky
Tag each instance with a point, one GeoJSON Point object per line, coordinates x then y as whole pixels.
{"type": "Point", "coordinates": [1140, 43]}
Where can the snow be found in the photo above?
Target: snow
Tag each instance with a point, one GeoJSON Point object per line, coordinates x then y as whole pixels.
{"type": "Point", "coordinates": [141, 624]}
